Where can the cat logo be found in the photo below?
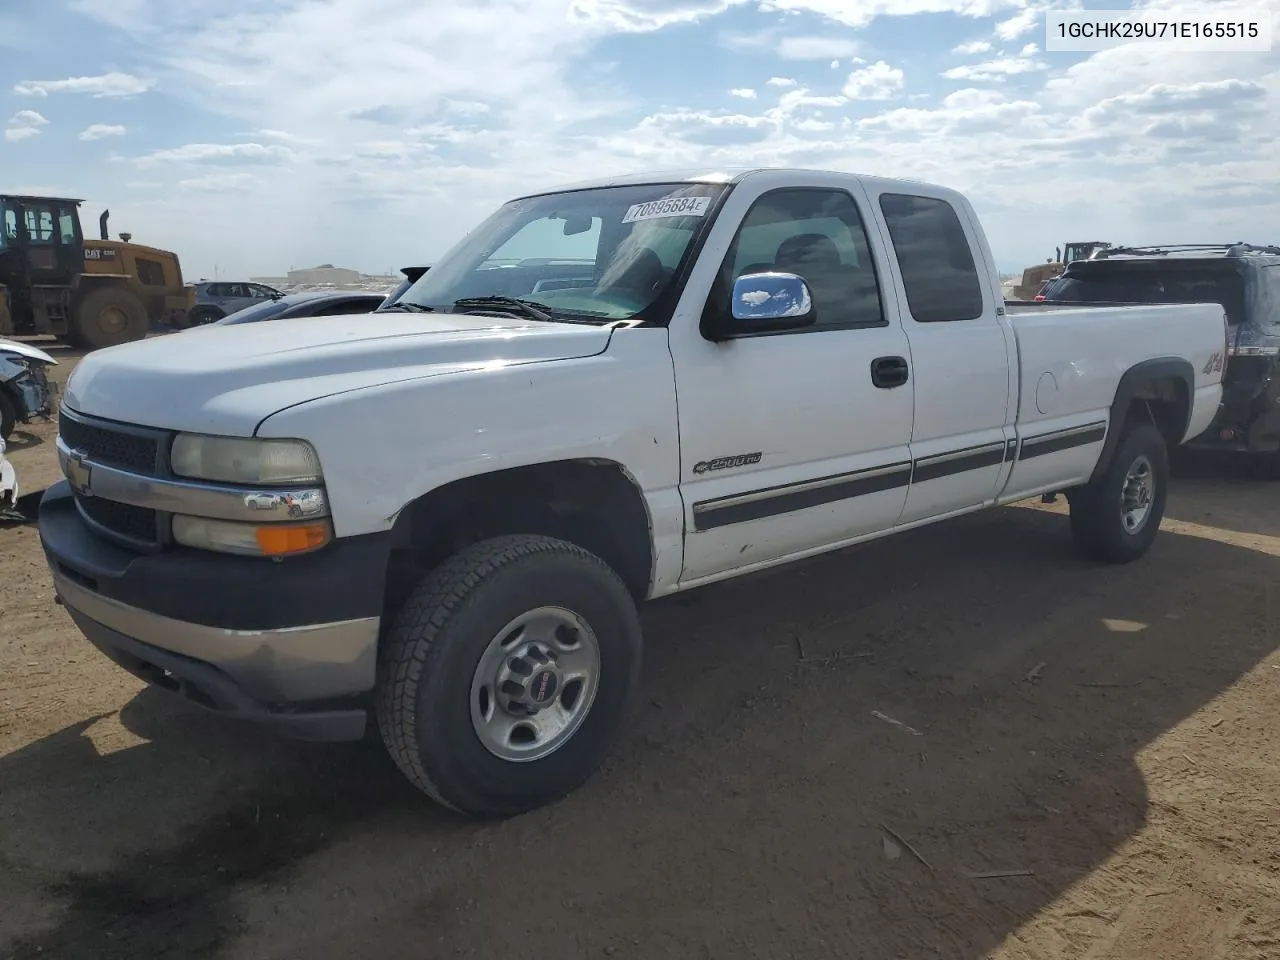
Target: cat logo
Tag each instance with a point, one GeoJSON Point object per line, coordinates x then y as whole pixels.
{"type": "Point", "coordinates": [1215, 363]}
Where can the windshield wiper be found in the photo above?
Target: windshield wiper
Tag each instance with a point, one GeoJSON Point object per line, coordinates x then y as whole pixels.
{"type": "Point", "coordinates": [403, 307]}
{"type": "Point", "coordinates": [527, 308]}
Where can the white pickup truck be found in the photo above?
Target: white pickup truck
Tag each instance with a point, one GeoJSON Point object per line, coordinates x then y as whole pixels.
{"type": "Point", "coordinates": [443, 515]}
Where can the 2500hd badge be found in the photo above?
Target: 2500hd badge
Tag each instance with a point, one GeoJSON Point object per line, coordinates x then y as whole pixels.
{"type": "Point", "coordinates": [726, 463]}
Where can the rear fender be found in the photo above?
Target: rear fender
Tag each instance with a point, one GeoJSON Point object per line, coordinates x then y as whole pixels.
{"type": "Point", "coordinates": [1131, 386]}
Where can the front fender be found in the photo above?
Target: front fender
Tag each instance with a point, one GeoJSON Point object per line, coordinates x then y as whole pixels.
{"type": "Point", "coordinates": [382, 447]}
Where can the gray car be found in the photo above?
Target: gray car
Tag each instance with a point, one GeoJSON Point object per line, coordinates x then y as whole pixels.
{"type": "Point", "coordinates": [216, 299]}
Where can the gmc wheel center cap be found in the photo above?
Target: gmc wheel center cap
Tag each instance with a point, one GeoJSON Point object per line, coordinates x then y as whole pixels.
{"type": "Point", "coordinates": [543, 687]}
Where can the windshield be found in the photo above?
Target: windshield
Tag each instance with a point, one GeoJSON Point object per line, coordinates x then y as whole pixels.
{"type": "Point", "coordinates": [603, 254]}
{"type": "Point", "coordinates": [1145, 283]}
{"type": "Point", "coordinates": [259, 311]}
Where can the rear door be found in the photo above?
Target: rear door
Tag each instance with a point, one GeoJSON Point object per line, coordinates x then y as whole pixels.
{"type": "Point", "coordinates": [962, 350]}
{"type": "Point", "coordinates": [789, 442]}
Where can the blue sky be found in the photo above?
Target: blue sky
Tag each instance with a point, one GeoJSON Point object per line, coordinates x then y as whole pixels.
{"type": "Point", "coordinates": [255, 135]}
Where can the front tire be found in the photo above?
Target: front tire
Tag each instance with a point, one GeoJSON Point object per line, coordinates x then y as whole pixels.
{"type": "Point", "coordinates": [1115, 518]}
{"type": "Point", "coordinates": [507, 673]}
{"type": "Point", "coordinates": [109, 316]}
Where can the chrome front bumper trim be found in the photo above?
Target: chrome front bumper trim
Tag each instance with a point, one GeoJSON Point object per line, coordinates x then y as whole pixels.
{"type": "Point", "coordinates": [214, 501]}
{"type": "Point", "coordinates": [289, 664]}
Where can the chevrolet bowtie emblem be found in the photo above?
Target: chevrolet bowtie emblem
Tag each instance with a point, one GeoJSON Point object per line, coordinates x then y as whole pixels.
{"type": "Point", "coordinates": [78, 473]}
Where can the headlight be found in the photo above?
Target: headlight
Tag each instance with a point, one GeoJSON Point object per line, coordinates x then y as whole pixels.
{"type": "Point", "coordinates": [244, 459]}
{"type": "Point", "coordinates": [251, 540]}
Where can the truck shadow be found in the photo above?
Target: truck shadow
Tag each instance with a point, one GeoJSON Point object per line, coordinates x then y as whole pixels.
{"type": "Point", "coordinates": [743, 814]}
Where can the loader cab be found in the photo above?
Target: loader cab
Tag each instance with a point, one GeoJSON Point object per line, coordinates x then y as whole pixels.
{"type": "Point", "coordinates": [40, 241]}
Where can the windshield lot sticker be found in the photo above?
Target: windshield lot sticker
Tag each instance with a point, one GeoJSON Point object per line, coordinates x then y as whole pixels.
{"type": "Point", "coordinates": [670, 207]}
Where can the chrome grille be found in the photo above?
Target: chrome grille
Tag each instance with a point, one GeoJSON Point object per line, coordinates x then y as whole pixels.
{"type": "Point", "coordinates": [137, 451]}
{"type": "Point", "coordinates": [122, 519]}
{"type": "Point", "coordinates": [125, 447]}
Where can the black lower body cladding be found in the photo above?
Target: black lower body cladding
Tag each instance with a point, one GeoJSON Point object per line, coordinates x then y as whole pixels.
{"type": "Point", "coordinates": [290, 643]}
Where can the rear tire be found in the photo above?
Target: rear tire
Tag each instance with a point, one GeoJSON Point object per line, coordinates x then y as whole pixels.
{"type": "Point", "coordinates": [1115, 518]}
{"type": "Point", "coordinates": [458, 674]}
{"type": "Point", "coordinates": [109, 316]}
{"type": "Point", "coordinates": [199, 316]}
{"type": "Point", "coordinates": [8, 416]}
{"type": "Point", "coordinates": [1265, 466]}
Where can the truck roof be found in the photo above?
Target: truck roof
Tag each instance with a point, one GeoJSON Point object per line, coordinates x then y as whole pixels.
{"type": "Point", "coordinates": [1190, 252]}
{"type": "Point", "coordinates": [24, 197]}
{"type": "Point", "coordinates": [726, 174]}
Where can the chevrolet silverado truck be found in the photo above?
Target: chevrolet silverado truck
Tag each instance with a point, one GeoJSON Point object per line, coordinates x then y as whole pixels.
{"type": "Point", "coordinates": [439, 520]}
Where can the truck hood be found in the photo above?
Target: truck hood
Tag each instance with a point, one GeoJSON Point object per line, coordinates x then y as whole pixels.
{"type": "Point", "coordinates": [226, 380]}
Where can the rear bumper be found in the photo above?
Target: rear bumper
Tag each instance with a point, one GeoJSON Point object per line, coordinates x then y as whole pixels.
{"type": "Point", "coordinates": [291, 645]}
{"type": "Point", "coordinates": [1248, 420]}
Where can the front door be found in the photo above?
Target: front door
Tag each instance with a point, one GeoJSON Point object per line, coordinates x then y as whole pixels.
{"type": "Point", "coordinates": [787, 443]}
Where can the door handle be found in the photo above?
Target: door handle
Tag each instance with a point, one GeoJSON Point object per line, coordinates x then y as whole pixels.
{"type": "Point", "coordinates": [887, 372]}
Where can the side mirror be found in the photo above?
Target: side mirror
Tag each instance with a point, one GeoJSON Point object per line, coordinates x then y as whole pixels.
{"type": "Point", "coordinates": [770, 301]}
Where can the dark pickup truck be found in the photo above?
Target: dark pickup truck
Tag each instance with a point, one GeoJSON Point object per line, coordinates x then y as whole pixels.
{"type": "Point", "coordinates": [1245, 280]}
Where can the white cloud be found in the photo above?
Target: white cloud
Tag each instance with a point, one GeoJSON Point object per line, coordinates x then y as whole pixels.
{"type": "Point", "coordinates": [24, 125]}
{"type": "Point", "coordinates": [106, 85]}
{"type": "Point", "coordinates": [96, 131]}
{"type": "Point", "coordinates": [1020, 23]}
{"type": "Point", "coordinates": [28, 118]}
{"type": "Point", "coordinates": [972, 47]}
{"type": "Point", "coordinates": [746, 93]}
{"type": "Point", "coordinates": [202, 152]}
{"type": "Point", "coordinates": [649, 15]}
{"type": "Point", "coordinates": [996, 71]}
{"type": "Point", "coordinates": [1029, 50]}
{"type": "Point", "coordinates": [876, 82]}
{"type": "Point", "coordinates": [332, 104]}
{"type": "Point", "coordinates": [816, 48]}
{"type": "Point", "coordinates": [221, 183]}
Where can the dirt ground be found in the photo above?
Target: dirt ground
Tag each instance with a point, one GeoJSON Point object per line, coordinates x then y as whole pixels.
{"type": "Point", "coordinates": [1109, 735]}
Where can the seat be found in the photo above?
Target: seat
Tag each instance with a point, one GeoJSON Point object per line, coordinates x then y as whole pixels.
{"type": "Point", "coordinates": [639, 273]}
{"type": "Point", "coordinates": [815, 258]}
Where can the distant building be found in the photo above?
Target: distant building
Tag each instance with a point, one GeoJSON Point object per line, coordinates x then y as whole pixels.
{"type": "Point", "coordinates": [324, 274]}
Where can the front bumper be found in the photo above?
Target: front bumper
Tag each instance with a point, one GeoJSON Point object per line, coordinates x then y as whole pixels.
{"type": "Point", "coordinates": [291, 645]}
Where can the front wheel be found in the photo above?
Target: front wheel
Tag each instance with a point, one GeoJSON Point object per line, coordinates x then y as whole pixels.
{"type": "Point", "coordinates": [109, 316]}
{"type": "Point", "coordinates": [1115, 518]}
{"type": "Point", "coordinates": [507, 673]}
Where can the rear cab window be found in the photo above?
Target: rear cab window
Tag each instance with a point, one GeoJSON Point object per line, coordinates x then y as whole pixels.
{"type": "Point", "coordinates": [934, 257]}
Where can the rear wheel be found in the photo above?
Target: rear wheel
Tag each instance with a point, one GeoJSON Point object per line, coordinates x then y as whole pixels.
{"type": "Point", "coordinates": [1265, 466]}
{"type": "Point", "coordinates": [1116, 518]}
{"type": "Point", "coordinates": [8, 415]}
{"type": "Point", "coordinates": [199, 316]}
{"type": "Point", "coordinates": [109, 316]}
{"type": "Point", "coordinates": [507, 674]}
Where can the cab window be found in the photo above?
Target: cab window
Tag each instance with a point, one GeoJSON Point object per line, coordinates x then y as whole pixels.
{"type": "Point", "coordinates": [818, 235]}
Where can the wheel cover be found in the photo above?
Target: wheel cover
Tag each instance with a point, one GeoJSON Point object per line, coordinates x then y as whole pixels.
{"type": "Point", "coordinates": [113, 320]}
{"type": "Point", "coordinates": [535, 684]}
{"type": "Point", "coordinates": [1137, 495]}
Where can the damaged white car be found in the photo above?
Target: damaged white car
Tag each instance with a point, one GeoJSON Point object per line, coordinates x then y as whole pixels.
{"type": "Point", "coordinates": [25, 389]}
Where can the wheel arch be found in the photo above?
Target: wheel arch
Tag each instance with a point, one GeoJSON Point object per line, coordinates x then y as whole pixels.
{"type": "Point", "coordinates": [1158, 390]}
{"type": "Point", "coordinates": [595, 503]}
